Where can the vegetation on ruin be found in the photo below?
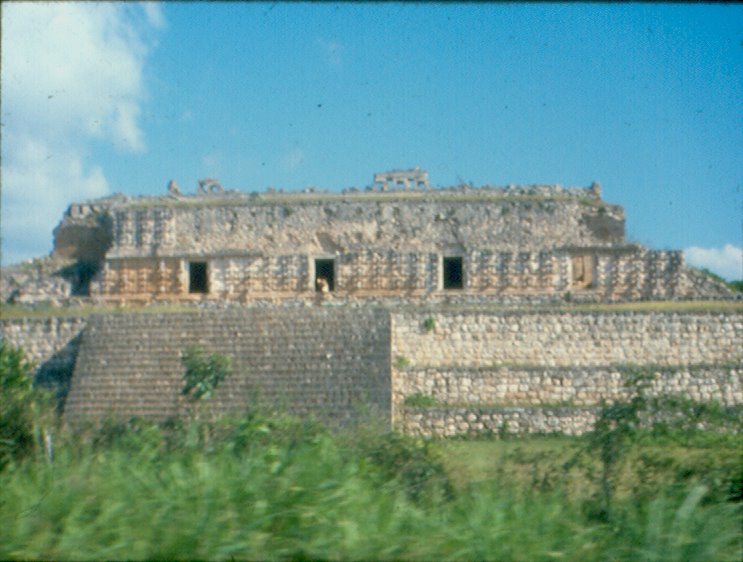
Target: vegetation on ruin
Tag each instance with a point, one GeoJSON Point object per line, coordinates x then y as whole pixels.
{"type": "Point", "coordinates": [203, 373]}
{"type": "Point", "coordinates": [421, 400]}
{"type": "Point", "coordinates": [271, 486]}
{"type": "Point", "coordinates": [401, 362]}
{"type": "Point", "coordinates": [733, 285]}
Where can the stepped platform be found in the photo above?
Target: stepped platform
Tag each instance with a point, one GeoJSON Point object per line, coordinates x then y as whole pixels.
{"type": "Point", "coordinates": [320, 362]}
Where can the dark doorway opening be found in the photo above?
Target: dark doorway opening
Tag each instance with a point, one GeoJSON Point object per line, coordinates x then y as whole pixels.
{"type": "Point", "coordinates": [198, 277]}
{"type": "Point", "coordinates": [453, 273]}
{"type": "Point", "coordinates": [324, 275]}
{"type": "Point", "coordinates": [80, 274]}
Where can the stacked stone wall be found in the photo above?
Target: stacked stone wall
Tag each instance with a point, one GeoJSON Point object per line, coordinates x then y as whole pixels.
{"type": "Point", "coordinates": [529, 370]}
{"type": "Point", "coordinates": [579, 386]}
{"type": "Point", "coordinates": [451, 422]}
{"type": "Point", "coordinates": [568, 339]}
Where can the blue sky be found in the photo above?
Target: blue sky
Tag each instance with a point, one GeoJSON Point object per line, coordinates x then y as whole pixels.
{"type": "Point", "coordinates": [122, 97]}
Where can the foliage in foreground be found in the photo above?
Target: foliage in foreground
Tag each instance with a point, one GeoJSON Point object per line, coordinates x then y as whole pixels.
{"type": "Point", "coordinates": [275, 487]}
{"type": "Point", "coordinates": [26, 413]}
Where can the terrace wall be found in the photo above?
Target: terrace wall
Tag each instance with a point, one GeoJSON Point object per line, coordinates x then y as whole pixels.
{"type": "Point", "coordinates": [530, 370]}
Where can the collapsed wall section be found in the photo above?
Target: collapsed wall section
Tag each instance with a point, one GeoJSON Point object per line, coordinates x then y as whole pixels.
{"type": "Point", "coordinates": [430, 222]}
{"type": "Point", "coordinates": [331, 363]}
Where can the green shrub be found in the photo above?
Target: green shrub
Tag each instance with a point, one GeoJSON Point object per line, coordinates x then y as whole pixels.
{"type": "Point", "coordinates": [402, 362]}
{"type": "Point", "coordinates": [203, 374]}
{"type": "Point", "coordinates": [622, 426]}
{"type": "Point", "coordinates": [411, 462]}
{"type": "Point", "coordinates": [429, 324]}
{"type": "Point", "coordinates": [733, 285]}
{"type": "Point", "coordinates": [26, 413]}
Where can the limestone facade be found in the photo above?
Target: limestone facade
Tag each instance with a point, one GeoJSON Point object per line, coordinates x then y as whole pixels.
{"type": "Point", "coordinates": [417, 244]}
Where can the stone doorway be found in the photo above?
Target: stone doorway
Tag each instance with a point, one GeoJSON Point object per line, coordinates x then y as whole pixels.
{"type": "Point", "coordinates": [324, 275]}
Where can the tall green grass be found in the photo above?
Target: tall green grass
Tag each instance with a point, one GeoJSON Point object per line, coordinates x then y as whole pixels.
{"type": "Point", "coordinates": [280, 488]}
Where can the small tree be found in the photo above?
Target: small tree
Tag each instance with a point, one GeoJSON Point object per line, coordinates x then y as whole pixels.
{"type": "Point", "coordinates": [616, 428]}
{"type": "Point", "coordinates": [24, 410]}
{"type": "Point", "coordinates": [203, 374]}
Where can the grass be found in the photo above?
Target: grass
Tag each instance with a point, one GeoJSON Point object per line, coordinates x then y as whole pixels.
{"type": "Point", "coordinates": [13, 312]}
{"type": "Point", "coordinates": [420, 400]}
{"type": "Point", "coordinates": [638, 306]}
{"type": "Point", "coordinates": [662, 306]}
{"type": "Point", "coordinates": [473, 461]}
{"type": "Point", "coordinates": [528, 462]}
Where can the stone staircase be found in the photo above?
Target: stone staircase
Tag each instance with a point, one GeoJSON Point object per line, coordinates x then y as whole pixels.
{"type": "Point", "coordinates": [331, 363]}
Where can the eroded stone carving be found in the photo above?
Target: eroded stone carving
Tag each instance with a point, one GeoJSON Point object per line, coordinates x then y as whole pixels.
{"type": "Point", "coordinates": [209, 186]}
{"type": "Point", "coordinates": [415, 178]}
{"type": "Point", "coordinates": [173, 188]}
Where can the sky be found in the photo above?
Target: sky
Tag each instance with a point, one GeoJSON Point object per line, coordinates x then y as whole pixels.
{"type": "Point", "coordinates": [647, 99]}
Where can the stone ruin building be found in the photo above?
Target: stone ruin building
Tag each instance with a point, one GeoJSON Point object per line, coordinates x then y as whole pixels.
{"type": "Point", "coordinates": [397, 239]}
{"type": "Point", "coordinates": [336, 304]}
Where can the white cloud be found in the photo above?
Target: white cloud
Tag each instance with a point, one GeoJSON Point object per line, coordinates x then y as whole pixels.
{"type": "Point", "coordinates": [726, 262]}
{"type": "Point", "coordinates": [38, 174]}
{"type": "Point", "coordinates": [71, 72]}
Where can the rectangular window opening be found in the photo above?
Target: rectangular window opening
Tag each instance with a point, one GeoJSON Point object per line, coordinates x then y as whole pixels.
{"type": "Point", "coordinates": [198, 278]}
{"type": "Point", "coordinates": [324, 275]}
{"type": "Point", "coordinates": [453, 273]}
